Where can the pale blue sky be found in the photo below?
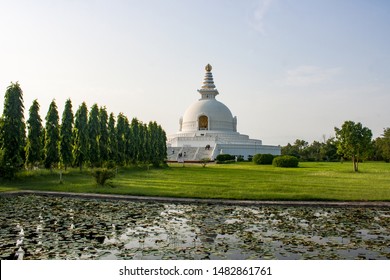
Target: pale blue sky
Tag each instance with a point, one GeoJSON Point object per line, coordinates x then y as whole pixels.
{"type": "Point", "coordinates": [287, 69]}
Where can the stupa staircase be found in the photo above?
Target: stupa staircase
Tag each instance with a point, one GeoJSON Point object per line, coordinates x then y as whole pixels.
{"type": "Point", "coordinates": [189, 154]}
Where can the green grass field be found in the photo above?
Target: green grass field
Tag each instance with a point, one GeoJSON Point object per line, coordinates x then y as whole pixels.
{"type": "Point", "coordinates": [311, 181]}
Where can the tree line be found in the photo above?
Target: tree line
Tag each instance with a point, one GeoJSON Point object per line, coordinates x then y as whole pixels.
{"type": "Point", "coordinates": [353, 142]}
{"type": "Point", "coordinates": [91, 138]}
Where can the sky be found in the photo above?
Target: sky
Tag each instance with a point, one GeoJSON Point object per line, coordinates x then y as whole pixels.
{"type": "Point", "coordinates": [288, 69]}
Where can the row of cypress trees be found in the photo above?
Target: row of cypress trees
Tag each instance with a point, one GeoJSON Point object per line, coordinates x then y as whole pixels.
{"type": "Point", "coordinates": [91, 138]}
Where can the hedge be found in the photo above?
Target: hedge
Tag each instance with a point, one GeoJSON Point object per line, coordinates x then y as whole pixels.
{"type": "Point", "coordinates": [285, 161]}
{"type": "Point", "coordinates": [263, 159]}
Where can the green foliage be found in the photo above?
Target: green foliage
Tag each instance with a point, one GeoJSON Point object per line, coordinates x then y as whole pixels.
{"type": "Point", "coordinates": [80, 138]}
{"type": "Point", "coordinates": [263, 159]}
{"type": "Point", "coordinates": [103, 136]}
{"type": "Point", "coordinates": [135, 140]}
{"type": "Point", "coordinates": [144, 149]}
{"type": "Point", "coordinates": [225, 158]}
{"type": "Point", "coordinates": [34, 139]}
{"type": "Point", "coordinates": [13, 129]}
{"type": "Point", "coordinates": [285, 161]}
{"type": "Point", "coordinates": [66, 137]}
{"type": "Point", "coordinates": [102, 175]}
{"type": "Point", "coordinates": [7, 171]}
{"type": "Point", "coordinates": [354, 142]}
{"type": "Point", "coordinates": [112, 140]}
{"type": "Point", "coordinates": [157, 140]}
{"type": "Point", "coordinates": [204, 161]}
{"type": "Point", "coordinates": [93, 136]}
{"type": "Point", "coordinates": [316, 151]}
{"type": "Point", "coordinates": [52, 136]}
{"type": "Point", "coordinates": [383, 145]}
{"type": "Point", "coordinates": [121, 125]}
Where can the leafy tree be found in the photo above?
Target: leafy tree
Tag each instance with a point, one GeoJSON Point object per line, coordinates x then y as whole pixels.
{"type": "Point", "coordinates": [80, 132]}
{"type": "Point", "coordinates": [103, 137]}
{"type": "Point", "coordinates": [35, 134]}
{"type": "Point", "coordinates": [353, 141]}
{"type": "Point", "coordinates": [112, 139]}
{"type": "Point", "coordinates": [13, 131]}
{"type": "Point", "coordinates": [52, 137]}
{"type": "Point", "coordinates": [93, 134]}
{"type": "Point", "coordinates": [66, 137]}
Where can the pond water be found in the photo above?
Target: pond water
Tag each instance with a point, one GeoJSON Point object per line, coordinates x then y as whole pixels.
{"type": "Point", "coordinates": [36, 227]}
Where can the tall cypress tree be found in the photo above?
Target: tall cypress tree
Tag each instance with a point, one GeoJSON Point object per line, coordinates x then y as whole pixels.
{"type": "Point", "coordinates": [66, 137]}
{"type": "Point", "coordinates": [52, 136]}
{"type": "Point", "coordinates": [34, 139]}
{"type": "Point", "coordinates": [80, 136]}
{"type": "Point", "coordinates": [161, 145]}
{"type": "Point", "coordinates": [93, 134]}
{"type": "Point", "coordinates": [103, 138]}
{"type": "Point", "coordinates": [120, 136]}
{"type": "Point", "coordinates": [112, 139]}
{"type": "Point", "coordinates": [127, 139]}
{"type": "Point", "coordinates": [154, 141]}
{"type": "Point", "coordinates": [135, 141]}
{"type": "Point", "coordinates": [13, 130]}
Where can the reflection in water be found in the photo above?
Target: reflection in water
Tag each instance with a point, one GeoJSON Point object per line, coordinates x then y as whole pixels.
{"type": "Point", "coordinates": [33, 227]}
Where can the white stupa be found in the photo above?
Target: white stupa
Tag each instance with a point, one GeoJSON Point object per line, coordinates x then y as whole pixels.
{"type": "Point", "coordinates": [208, 129]}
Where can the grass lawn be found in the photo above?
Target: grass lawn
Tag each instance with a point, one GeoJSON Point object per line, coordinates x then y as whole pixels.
{"type": "Point", "coordinates": [311, 181]}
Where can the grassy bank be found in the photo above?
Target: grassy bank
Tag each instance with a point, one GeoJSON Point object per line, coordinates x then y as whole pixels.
{"type": "Point", "coordinates": [311, 181]}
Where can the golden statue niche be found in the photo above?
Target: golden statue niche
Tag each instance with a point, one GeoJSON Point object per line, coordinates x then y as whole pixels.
{"type": "Point", "coordinates": [203, 123]}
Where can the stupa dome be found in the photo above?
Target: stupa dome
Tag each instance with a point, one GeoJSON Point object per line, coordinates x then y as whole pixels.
{"type": "Point", "coordinates": [208, 113]}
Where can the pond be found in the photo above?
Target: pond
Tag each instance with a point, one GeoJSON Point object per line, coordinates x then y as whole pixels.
{"type": "Point", "coordinates": [38, 227]}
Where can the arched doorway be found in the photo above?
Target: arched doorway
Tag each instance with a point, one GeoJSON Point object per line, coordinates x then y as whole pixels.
{"type": "Point", "coordinates": [203, 122]}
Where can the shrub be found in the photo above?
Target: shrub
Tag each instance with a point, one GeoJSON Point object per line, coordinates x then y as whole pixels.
{"type": "Point", "coordinates": [285, 161]}
{"type": "Point", "coordinates": [240, 158]}
{"type": "Point", "coordinates": [101, 175]}
{"type": "Point", "coordinates": [225, 157]}
{"type": "Point", "coordinates": [263, 159]}
{"type": "Point", "coordinates": [204, 161]}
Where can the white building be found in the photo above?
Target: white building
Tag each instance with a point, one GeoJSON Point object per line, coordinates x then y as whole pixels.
{"type": "Point", "coordinates": [208, 129]}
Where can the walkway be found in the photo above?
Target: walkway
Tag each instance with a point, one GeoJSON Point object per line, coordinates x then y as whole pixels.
{"type": "Point", "coordinates": [205, 201]}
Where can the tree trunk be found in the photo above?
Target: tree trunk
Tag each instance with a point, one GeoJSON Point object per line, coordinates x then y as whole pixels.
{"type": "Point", "coordinates": [355, 164]}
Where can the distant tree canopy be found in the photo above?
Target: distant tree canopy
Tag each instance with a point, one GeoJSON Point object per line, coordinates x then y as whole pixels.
{"type": "Point", "coordinates": [382, 146]}
{"type": "Point", "coordinates": [316, 151]}
{"type": "Point", "coordinates": [92, 139]}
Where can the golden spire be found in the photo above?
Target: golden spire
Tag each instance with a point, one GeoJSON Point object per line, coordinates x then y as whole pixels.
{"type": "Point", "coordinates": [208, 68]}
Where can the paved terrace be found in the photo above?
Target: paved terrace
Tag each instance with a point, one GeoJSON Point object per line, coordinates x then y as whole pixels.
{"type": "Point", "coordinates": [204, 201]}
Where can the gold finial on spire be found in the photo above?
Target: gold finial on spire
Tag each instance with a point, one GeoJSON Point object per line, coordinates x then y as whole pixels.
{"type": "Point", "coordinates": [208, 68]}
